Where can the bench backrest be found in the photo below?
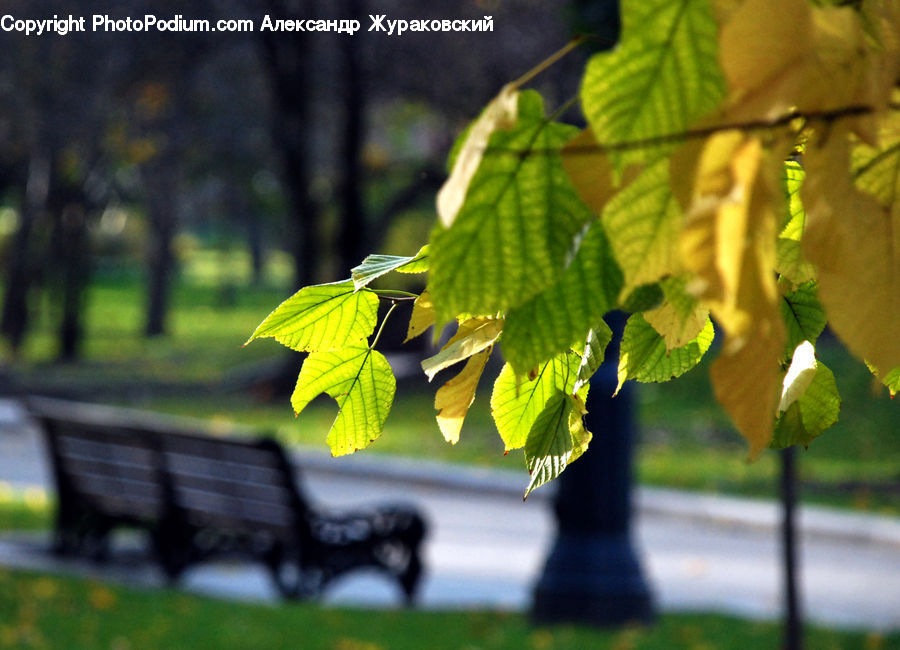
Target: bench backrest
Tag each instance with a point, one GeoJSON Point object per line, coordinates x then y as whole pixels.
{"type": "Point", "coordinates": [116, 470]}
{"type": "Point", "coordinates": [135, 466]}
{"type": "Point", "coordinates": [227, 483]}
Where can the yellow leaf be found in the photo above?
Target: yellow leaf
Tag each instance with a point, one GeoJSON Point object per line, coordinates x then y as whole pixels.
{"type": "Point", "coordinates": [473, 336]}
{"type": "Point", "coordinates": [501, 113]}
{"type": "Point", "coordinates": [784, 55]}
{"type": "Point", "coordinates": [454, 398]}
{"type": "Point", "coordinates": [581, 437]}
{"type": "Point", "coordinates": [680, 318]}
{"type": "Point", "coordinates": [761, 50]}
{"type": "Point", "coordinates": [728, 240]}
{"type": "Point", "coordinates": [590, 170]}
{"type": "Point", "coordinates": [746, 379]}
{"type": "Point", "coordinates": [854, 241]}
{"type": "Point", "coordinates": [422, 317]}
{"type": "Point", "coordinates": [799, 376]}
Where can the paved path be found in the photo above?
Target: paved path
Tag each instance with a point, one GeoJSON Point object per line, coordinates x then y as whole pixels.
{"type": "Point", "coordinates": [486, 546]}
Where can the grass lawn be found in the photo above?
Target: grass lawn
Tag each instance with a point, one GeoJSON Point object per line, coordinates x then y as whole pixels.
{"type": "Point", "coordinates": [686, 440]}
{"type": "Point", "coordinates": [42, 611]}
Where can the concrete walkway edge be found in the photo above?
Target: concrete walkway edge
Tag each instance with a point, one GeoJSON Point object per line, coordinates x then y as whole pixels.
{"type": "Point", "coordinates": [730, 511]}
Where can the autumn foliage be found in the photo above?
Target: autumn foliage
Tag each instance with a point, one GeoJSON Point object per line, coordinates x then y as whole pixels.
{"type": "Point", "coordinates": [740, 172]}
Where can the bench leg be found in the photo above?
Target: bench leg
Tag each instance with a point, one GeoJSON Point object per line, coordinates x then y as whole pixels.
{"type": "Point", "coordinates": [410, 578]}
{"type": "Point", "coordinates": [289, 574]}
{"type": "Point", "coordinates": [173, 552]}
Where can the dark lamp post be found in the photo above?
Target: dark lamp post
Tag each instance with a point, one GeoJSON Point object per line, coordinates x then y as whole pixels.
{"type": "Point", "coordinates": [593, 574]}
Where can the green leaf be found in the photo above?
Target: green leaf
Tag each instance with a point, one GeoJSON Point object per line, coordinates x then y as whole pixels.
{"type": "Point", "coordinates": [420, 263]}
{"type": "Point", "coordinates": [550, 444]}
{"type": "Point", "coordinates": [892, 381]}
{"type": "Point", "coordinates": [593, 354]}
{"type": "Point", "coordinates": [876, 170]}
{"type": "Point", "coordinates": [789, 260]}
{"type": "Point", "coordinates": [803, 316]}
{"type": "Point", "coordinates": [321, 317]}
{"type": "Point", "coordinates": [643, 298]}
{"type": "Point", "coordinates": [643, 355]}
{"type": "Point", "coordinates": [799, 375]}
{"type": "Point", "coordinates": [814, 412]}
{"type": "Point", "coordinates": [374, 266]}
{"type": "Point", "coordinates": [643, 223]}
{"type": "Point", "coordinates": [662, 77]}
{"type": "Point", "coordinates": [517, 401]}
{"type": "Point", "coordinates": [516, 227]}
{"type": "Point", "coordinates": [361, 382]}
{"type": "Point", "coordinates": [681, 317]}
{"type": "Point", "coordinates": [550, 322]}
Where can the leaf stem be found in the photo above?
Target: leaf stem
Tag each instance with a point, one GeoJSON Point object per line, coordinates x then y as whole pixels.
{"type": "Point", "coordinates": [383, 323]}
{"type": "Point", "coordinates": [546, 63]}
{"type": "Point", "coordinates": [394, 294]}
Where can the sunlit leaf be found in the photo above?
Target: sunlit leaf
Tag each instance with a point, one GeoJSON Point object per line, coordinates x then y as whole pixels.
{"type": "Point", "coordinates": [728, 241]}
{"type": "Point", "coordinates": [892, 381]}
{"type": "Point", "coordinates": [517, 401]}
{"type": "Point", "coordinates": [592, 354]}
{"type": "Point", "coordinates": [799, 375]}
{"type": "Point", "coordinates": [516, 228]}
{"type": "Point", "coordinates": [472, 336]}
{"type": "Point", "coordinates": [854, 241]}
{"type": "Point", "coordinates": [814, 411]}
{"type": "Point", "coordinates": [361, 382]}
{"type": "Point", "coordinates": [591, 171]}
{"type": "Point", "coordinates": [772, 50]}
{"type": "Point", "coordinates": [643, 222]}
{"type": "Point", "coordinates": [789, 260]}
{"type": "Point", "coordinates": [374, 266]}
{"type": "Point", "coordinates": [454, 398]}
{"type": "Point", "coordinates": [643, 355]}
{"type": "Point", "coordinates": [420, 262]}
{"type": "Point", "coordinates": [803, 316]}
{"type": "Point", "coordinates": [746, 379]}
{"type": "Point", "coordinates": [322, 317]}
{"type": "Point", "coordinates": [734, 207]}
{"type": "Point", "coordinates": [550, 322]}
{"type": "Point", "coordinates": [422, 316]}
{"type": "Point", "coordinates": [681, 318]}
{"type": "Point", "coordinates": [557, 438]}
{"type": "Point", "coordinates": [501, 113]}
{"type": "Point", "coordinates": [662, 77]}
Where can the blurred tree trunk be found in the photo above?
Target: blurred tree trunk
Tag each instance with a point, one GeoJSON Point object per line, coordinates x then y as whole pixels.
{"type": "Point", "coordinates": [287, 60]}
{"type": "Point", "coordinates": [72, 270]}
{"type": "Point", "coordinates": [255, 241]}
{"type": "Point", "coordinates": [21, 266]}
{"type": "Point", "coordinates": [352, 240]}
{"type": "Point", "coordinates": [160, 178]}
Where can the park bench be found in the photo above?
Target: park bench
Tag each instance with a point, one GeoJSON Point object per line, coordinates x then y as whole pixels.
{"type": "Point", "coordinates": [200, 496]}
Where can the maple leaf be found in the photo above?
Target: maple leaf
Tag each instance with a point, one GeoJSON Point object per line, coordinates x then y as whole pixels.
{"type": "Point", "coordinates": [361, 382]}
{"type": "Point", "coordinates": [321, 317]}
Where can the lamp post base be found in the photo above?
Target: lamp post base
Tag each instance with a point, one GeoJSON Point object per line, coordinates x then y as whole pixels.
{"type": "Point", "coordinates": [592, 579]}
